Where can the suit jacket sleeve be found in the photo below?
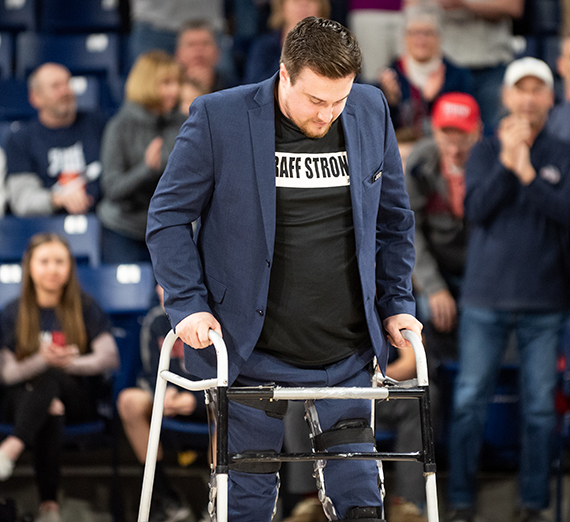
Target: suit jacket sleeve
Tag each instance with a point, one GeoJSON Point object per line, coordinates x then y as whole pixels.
{"type": "Point", "coordinates": [182, 194]}
{"type": "Point", "coordinates": [394, 234]}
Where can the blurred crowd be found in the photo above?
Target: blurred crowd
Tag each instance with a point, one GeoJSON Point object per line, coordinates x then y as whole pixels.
{"type": "Point", "coordinates": [480, 102]}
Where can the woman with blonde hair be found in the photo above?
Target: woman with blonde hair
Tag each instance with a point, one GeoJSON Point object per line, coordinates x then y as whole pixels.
{"type": "Point", "coordinates": [135, 148]}
{"type": "Point", "coordinates": [55, 346]}
{"type": "Point", "coordinates": [265, 52]}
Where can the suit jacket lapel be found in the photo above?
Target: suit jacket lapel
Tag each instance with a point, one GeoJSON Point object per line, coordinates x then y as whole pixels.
{"type": "Point", "coordinates": [262, 128]}
{"type": "Point", "coordinates": [352, 137]}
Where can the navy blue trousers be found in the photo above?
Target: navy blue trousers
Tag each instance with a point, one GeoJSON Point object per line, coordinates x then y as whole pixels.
{"type": "Point", "coordinates": [349, 483]}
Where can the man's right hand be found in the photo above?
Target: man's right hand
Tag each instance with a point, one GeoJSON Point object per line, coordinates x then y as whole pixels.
{"type": "Point", "coordinates": [194, 329]}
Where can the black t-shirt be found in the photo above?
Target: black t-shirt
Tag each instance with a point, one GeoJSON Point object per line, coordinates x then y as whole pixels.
{"type": "Point", "coordinates": [315, 311]}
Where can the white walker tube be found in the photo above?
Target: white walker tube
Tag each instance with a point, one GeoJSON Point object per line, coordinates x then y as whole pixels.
{"type": "Point", "coordinates": [431, 498]}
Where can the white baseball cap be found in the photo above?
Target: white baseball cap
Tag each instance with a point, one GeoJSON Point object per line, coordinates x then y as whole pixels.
{"type": "Point", "coordinates": [528, 66]}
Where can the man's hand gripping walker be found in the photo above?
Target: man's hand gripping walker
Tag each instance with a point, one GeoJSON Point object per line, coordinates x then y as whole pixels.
{"type": "Point", "coordinates": [219, 500]}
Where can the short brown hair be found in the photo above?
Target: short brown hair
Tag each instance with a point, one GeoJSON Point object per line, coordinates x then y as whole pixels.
{"type": "Point", "coordinates": [145, 75]}
{"type": "Point", "coordinates": [324, 46]}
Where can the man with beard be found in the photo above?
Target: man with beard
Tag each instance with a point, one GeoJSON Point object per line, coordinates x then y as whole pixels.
{"type": "Point", "coordinates": [53, 161]}
{"type": "Point", "coordinates": [303, 260]}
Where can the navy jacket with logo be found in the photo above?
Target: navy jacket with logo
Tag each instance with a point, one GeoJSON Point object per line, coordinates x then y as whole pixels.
{"type": "Point", "coordinates": [519, 247]}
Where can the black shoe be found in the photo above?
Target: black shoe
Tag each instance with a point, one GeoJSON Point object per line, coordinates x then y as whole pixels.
{"type": "Point", "coordinates": [533, 515]}
{"type": "Point", "coordinates": [462, 515]}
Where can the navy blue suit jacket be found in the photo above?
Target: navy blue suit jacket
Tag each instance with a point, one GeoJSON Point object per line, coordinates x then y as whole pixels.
{"type": "Point", "coordinates": [222, 169]}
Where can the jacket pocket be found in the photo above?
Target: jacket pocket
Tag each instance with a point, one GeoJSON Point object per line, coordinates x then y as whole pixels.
{"type": "Point", "coordinates": [373, 180]}
{"type": "Point", "coordinates": [216, 289]}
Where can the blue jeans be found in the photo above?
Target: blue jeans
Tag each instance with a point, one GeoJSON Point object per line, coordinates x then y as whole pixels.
{"type": "Point", "coordinates": [483, 336]}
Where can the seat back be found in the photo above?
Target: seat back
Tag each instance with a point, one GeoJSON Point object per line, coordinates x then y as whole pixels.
{"type": "Point", "coordinates": [87, 91]}
{"type": "Point", "coordinates": [6, 55]}
{"type": "Point", "coordinates": [18, 15]}
{"type": "Point", "coordinates": [14, 104]}
{"type": "Point", "coordinates": [65, 16]}
{"type": "Point", "coordinates": [83, 54]}
{"type": "Point", "coordinates": [83, 233]}
{"type": "Point", "coordinates": [126, 293]}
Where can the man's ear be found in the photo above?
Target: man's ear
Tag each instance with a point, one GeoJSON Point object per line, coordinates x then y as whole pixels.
{"type": "Point", "coordinates": [34, 99]}
{"type": "Point", "coordinates": [283, 73]}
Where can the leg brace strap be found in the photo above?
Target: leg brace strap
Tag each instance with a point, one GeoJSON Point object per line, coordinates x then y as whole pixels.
{"type": "Point", "coordinates": [364, 514]}
{"type": "Point", "coordinates": [348, 431]}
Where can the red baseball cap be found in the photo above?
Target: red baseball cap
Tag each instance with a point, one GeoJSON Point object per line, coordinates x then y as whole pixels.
{"type": "Point", "coordinates": [457, 110]}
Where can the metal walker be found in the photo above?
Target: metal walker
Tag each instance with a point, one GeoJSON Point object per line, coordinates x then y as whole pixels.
{"type": "Point", "coordinates": [389, 389]}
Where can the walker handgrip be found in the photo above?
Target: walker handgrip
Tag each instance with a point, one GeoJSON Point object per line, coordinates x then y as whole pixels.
{"type": "Point", "coordinates": [421, 360]}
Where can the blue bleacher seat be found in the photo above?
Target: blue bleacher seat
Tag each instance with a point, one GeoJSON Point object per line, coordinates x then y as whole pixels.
{"type": "Point", "coordinates": [6, 55]}
{"type": "Point", "coordinates": [87, 91]}
{"type": "Point", "coordinates": [83, 54]}
{"type": "Point", "coordinates": [14, 104]}
{"type": "Point", "coordinates": [82, 232]}
{"type": "Point", "coordinates": [18, 15]}
{"type": "Point", "coordinates": [126, 293]}
{"type": "Point", "coordinates": [5, 129]}
{"type": "Point", "coordinates": [73, 16]}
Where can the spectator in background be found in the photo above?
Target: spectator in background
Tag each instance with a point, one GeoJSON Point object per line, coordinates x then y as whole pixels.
{"type": "Point", "coordinates": [265, 51]}
{"type": "Point", "coordinates": [136, 145]}
{"type": "Point", "coordinates": [478, 35]}
{"type": "Point", "coordinates": [135, 408]}
{"type": "Point", "coordinates": [559, 119]}
{"type": "Point", "coordinates": [155, 25]}
{"type": "Point", "coordinates": [421, 74]}
{"type": "Point", "coordinates": [435, 179]}
{"type": "Point", "coordinates": [53, 162]}
{"type": "Point", "coordinates": [198, 53]}
{"type": "Point", "coordinates": [55, 347]}
{"type": "Point", "coordinates": [189, 91]}
{"type": "Point", "coordinates": [517, 280]}
{"type": "Point", "coordinates": [377, 24]}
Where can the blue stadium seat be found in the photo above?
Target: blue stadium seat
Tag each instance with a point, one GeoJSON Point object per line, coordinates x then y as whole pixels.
{"type": "Point", "coordinates": [5, 129]}
{"type": "Point", "coordinates": [83, 54]}
{"type": "Point", "coordinates": [10, 277]}
{"type": "Point", "coordinates": [66, 16]}
{"type": "Point", "coordinates": [18, 15]}
{"type": "Point", "coordinates": [82, 232]}
{"type": "Point", "coordinates": [126, 293]}
{"type": "Point", "coordinates": [6, 55]}
{"type": "Point", "coordinates": [14, 104]}
{"type": "Point", "coordinates": [87, 90]}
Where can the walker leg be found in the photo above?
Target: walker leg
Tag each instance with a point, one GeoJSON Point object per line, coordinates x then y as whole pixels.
{"type": "Point", "coordinates": [152, 450]}
{"type": "Point", "coordinates": [222, 456]}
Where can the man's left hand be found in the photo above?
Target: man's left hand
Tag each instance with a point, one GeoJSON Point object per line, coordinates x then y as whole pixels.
{"type": "Point", "coordinates": [395, 323]}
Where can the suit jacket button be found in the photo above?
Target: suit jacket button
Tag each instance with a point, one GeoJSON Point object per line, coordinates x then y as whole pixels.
{"type": "Point", "coordinates": [268, 263]}
{"type": "Point", "coordinates": [260, 312]}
